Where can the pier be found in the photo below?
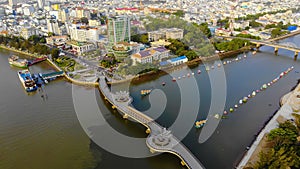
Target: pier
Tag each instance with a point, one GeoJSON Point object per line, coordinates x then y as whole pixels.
{"type": "Point", "coordinates": [51, 75]}
{"type": "Point", "coordinates": [159, 139]}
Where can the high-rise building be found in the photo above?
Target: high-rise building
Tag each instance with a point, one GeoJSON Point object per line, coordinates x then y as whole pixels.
{"type": "Point", "coordinates": [118, 29]}
{"type": "Point", "coordinates": [12, 2]}
{"type": "Point", "coordinates": [41, 3]}
{"type": "Point", "coordinates": [52, 26]}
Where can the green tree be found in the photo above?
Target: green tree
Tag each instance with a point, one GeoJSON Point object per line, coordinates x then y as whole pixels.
{"type": "Point", "coordinates": [55, 53]}
{"type": "Point", "coordinates": [179, 13]}
{"type": "Point", "coordinates": [84, 20]}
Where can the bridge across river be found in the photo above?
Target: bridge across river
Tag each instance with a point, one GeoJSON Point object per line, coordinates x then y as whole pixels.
{"type": "Point", "coordinates": [272, 43]}
{"type": "Point", "coordinates": [159, 139]}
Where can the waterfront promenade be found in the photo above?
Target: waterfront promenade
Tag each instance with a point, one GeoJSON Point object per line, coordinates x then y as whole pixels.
{"type": "Point", "coordinates": [290, 104]}
{"type": "Point", "coordinates": [159, 139]}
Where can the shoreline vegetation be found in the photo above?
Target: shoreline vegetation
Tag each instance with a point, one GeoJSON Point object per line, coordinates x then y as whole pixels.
{"type": "Point", "coordinates": [277, 145]}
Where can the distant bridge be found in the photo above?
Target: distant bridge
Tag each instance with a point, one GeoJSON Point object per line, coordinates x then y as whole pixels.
{"type": "Point", "coordinates": [271, 43]}
{"type": "Point", "coordinates": [159, 139]}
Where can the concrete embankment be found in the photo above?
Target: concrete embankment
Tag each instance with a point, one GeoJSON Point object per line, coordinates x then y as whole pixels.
{"type": "Point", "coordinates": [85, 83]}
{"type": "Point", "coordinates": [290, 104]}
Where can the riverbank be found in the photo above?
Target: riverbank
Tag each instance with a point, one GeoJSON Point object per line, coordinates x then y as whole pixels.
{"type": "Point", "coordinates": [152, 75]}
{"type": "Point", "coordinates": [85, 83]}
{"type": "Point", "coordinates": [290, 104]}
{"type": "Point", "coordinates": [19, 51]}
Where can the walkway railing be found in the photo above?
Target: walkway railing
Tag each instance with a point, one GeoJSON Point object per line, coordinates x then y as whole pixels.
{"type": "Point", "coordinates": [174, 146]}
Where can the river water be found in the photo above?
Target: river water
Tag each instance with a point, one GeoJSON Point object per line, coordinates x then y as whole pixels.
{"type": "Point", "coordinates": [37, 132]}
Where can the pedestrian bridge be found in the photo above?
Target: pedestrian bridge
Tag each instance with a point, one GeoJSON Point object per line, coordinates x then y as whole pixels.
{"type": "Point", "coordinates": [159, 139]}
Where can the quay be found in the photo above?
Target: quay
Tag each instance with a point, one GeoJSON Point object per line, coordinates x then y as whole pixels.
{"type": "Point", "coordinates": [159, 139]}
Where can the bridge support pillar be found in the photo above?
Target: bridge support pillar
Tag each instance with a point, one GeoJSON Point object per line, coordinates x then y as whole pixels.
{"type": "Point", "coordinates": [182, 163]}
{"type": "Point", "coordinates": [257, 47]}
{"type": "Point", "coordinates": [276, 50]}
{"type": "Point", "coordinates": [125, 116]}
{"type": "Point", "coordinates": [148, 131]}
{"type": "Point", "coordinates": [296, 55]}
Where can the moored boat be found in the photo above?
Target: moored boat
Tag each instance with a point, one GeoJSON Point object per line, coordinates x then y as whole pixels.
{"type": "Point", "coordinates": [37, 60]}
{"type": "Point", "coordinates": [145, 92]}
{"type": "Point", "coordinates": [15, 61]}
{"type": "Point", "coordinates": [200, 123]}
{"type": "Point", "coordinates": [27, 80]}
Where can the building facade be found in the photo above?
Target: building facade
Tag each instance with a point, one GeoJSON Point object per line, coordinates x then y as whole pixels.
{"type": "Point", "coordinates": [168, 33]}
{"type": "Point", "coordinates": [118, 29]}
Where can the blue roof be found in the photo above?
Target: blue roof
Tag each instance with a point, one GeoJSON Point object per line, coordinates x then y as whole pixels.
{"type": "Point", "coordinates": [178, 58]}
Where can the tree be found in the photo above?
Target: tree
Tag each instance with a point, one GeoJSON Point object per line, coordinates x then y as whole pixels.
{"type": "Point", "coordinates": [254, 24]}
{"type": "Point", "coordinates": [179, 13]}
{"type": "Point", "coordinates": [84, 20]}
{"type": "Point", "coordinates": [55, 53]}
{"type": "Point", "coordinates": [50, 34]}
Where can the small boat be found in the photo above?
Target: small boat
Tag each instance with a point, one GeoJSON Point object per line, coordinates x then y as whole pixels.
{"type": "Point", "coordinates": [224, 63]}
{"type": "Point", "coordinates": [257, 91]}
{"type": "Point", "coordinates": [217, 116]}
{"type": "Point", "coordinates": [245, 55]}
{"type": "Point", "coordinates": [174, 79]}
{"type": "Point", "coordinates": [224, 117]}
{"type": "Point", "coordinates": [245, 99]}
{"type": "Point", "coordinates": [225, 112]}
{"type": "Point", "coordinates": [264, 86]}
{"type": "Point", "coordinates": [179, 78]}
{"type": "Point", "coordinates": [183, 76]}
{"type": "Point", "coordinates": [212, 67]}
{"type": "Point", "coordinates": [199, 71]}
{"type": "Point", "coordinates": [253, 93]}
{"type": "Point", "coordinates": [200, 123]}
{"type": "Point", "coordinates": [27, 80]}
{"type": "Point", "coordinates": [207, 68]}
{"type": "Point", "coordinates": [241, 102]}
{"type": "Point", "coordinates": [15, 61]}
{"type": "Point", "coordinates": [163, 83]}
{"type": "Point", "coordinates": [219, 65]}
{"type": "Point", "coordinates": [145, 92]}
{"type": "Point", "coordinates": [254, 52]}
{"type": "Point", "coordinates": [231, 109]}
{"type": "Point", "coordinates": [236, 106]}
{"type": "Point", "coordinates": [193, 74]}
{"type": "Point", "coordinates": [188, 75]}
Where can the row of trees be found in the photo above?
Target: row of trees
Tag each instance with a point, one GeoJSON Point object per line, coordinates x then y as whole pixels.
{"type": "Point", "coordinates": [179, 48]}
{"type": "Point", "coordinates": [278, 32]}
{"type": "Point", "coordinates": [195, 36]}
{"type": "Point", "coordinates": [249, 36]}
{"type": "Point", "coordinates": [234, 44]}
{"type": "Point", "coordinates": [279, 25]}
{"type": "Point", "coordinates": [283, 150]}
{"type": "Point", "coordinates": [32, 44]}
{"type": "Point", "coordinates": [136, 69]}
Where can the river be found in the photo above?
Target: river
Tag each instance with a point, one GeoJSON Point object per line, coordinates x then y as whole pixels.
{"type": "Point", "coordinates": [44, 133]}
